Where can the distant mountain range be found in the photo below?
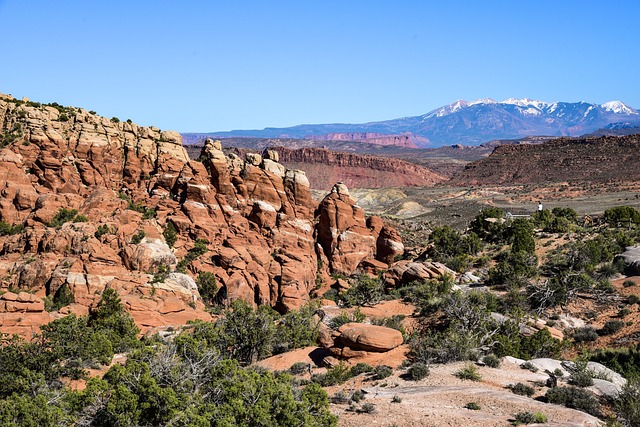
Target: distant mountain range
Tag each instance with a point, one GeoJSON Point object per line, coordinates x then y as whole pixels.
{"type": "Point", "coordinates": [470, 123]}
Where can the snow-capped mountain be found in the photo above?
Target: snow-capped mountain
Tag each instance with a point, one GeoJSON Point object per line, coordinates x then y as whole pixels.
{"type": "Point", "coordinates": [476, 122]}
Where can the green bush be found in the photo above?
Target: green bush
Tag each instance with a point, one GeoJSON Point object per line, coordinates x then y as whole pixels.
{"type": "Point", "coordinates": [361, 368]}
{"type": "Point", "coordinates": [522, 389]}
{"type": "Point", "coordinates": [491, 360]}
{"type": "Point", "coordinates": [418, 371]}
{"type": "Point", "coordinates": [396, 399]}
{"type": "Point", "coordinates": [584, 334]}
{"type": "Point", "coordinates": [334, 376]}
{"type": "Point", "coordinates": [633, 299]}
{"type": "Point", "coordinates": [102, 230]}
{"type": "Point", "coordinates": [621, 214]}
{"type": "Point", "coordinates": [366, 291]}
{"type": "Point", "coordinates": [207, 286]}
{"type": "Point", "coordinates": [627, 403]}
{"type": "Point", "coordinates": [382, 372]}
{"type": "Point", "coordinates": [170, 234]}
{"type": "Point", "coordinates": [62, 216]}
{"type": "Point", "coordinates": [573, 397]}
{"type": "Point", "coordinates": [611, 327]}
{"type": "Point", "coordinates": [345, 317]}
{"type": "Point", "coordinates": [299, 368]}
{"type": "Point", "coordinates": [472, 406]}
{"type": "Point", "coordinates": [469, 372]}
{"type": "Point", "coordinates": [530, 418]}
{"type": "Point", "coordinates": [137, 238]}
{"type": "Point", "coordinates": [628, 283]}
{"type": "Point", "coordinates": [62, 297]}
{"type": "Point", "coordinates": [7, 229]}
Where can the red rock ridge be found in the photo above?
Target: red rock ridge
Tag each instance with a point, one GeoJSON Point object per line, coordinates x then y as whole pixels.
{"type": "Point", "coordinates": [325, 167]}
{"type": "Point", "coordinates": [604, 159]}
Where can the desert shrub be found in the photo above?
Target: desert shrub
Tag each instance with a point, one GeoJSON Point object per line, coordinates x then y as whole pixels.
{"type": "Point", "coordinates": [530, 418]}
{"type": "Point", "coordinates": [361, 368]}
{"type": "Point", "coordinates": [110, 317]}
{"type": "Point", "coordinates": [448, 243]}
{"type": "Point", "coordinates": [367, 408]}
{"type": "Point", "coordinates": [573, 397]}
{"type": "Point", "coordinates": [522, 389]}
{"type": "Point", "coordinates": [469, 372]}
{"type": "Point", "coordinates": [488, 224]}
{"type": "Point", "coordinates": [102, 230]}
{"type": "Point", "coordinates": [529, 367]}
{"type": "Point", "coordinates": [340, 397]}
{"type": "Point", "coordinates": [396, 399]}
{"type": "Point", "coordinates": [584, 334]}
{"type": "Point", "coordinates": [382, 372]}
{"type": "Point", "coordinates": [345, 317]}
{"type": "Point", "coordinates": [115, 119]}
{"type": "Point", "coordinates": [623, 312]}
{"type": "Point", "coordinates": [62, 216]}
{"type": "Point", "coordinates": [491, 360]}
{"type": "Point", "coordinates": [428, 296]}
{"type": "Point", "coordinates": [296, 329]}
{"type": "Point", "coordinates": [170, 234]}
{"type": "Point", "coordinates": [334, 376]}
{"type": "Point", "coordinates": [62, 297]}
{"type": "Point", "coordinates": [628, 283]}
{"type": "Point", "coordinates": [418, 371]}
{"type": "Point", "coordinates": [513, 269]}
{"type": "Point", "coordinates": [393, 322]}
{"type": "Point", "coordinates": [7, 229]}
{"type": "Point", "coordinates": [207, 286]}
{"type": "Point", "coordinates": [611, 327]}
{"type": "Point", "coordinates": [366, 291]}
{"type": "Point", "coordinates": [137, 238]}
{"type": "Point", "coordinates": [621, 214]}
{"type": "Point", "coordinates": [472, 406]}
{"type": "Point", "coordinates": [357, 396]}
{"type": "Point", "coordinates": [633, 299]}
{"type": "Point", "coordinates": [541, 344]}
{"type": "Point", "coordinates": [627, 404]}
{"type": "Point", "coordinates": [299, 368]}
{"type": "Point", "coordinates": [625, 361]}
{"type": "Point", "coordinates": [521, 231]}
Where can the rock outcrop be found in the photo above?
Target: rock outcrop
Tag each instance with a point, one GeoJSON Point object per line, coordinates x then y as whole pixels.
{"type": "Point", "coordinates": [89, 203]}
{"type": "Point", "coordinates": [347, 238]}
{"type": "Point", "coordinates": [404, 272]}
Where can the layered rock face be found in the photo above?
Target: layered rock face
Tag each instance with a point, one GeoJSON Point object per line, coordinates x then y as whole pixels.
{"type": "Point", "coordinates": [87, 203]}
{"type": "Point", "coordinates": [404, 140]}
{"type": "Point", "coordinates": [325, 167]}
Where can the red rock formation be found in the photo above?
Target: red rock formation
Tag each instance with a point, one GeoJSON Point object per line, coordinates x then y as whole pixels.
{"type": "Point", "coordinates": [325, 167]}
{"type": "Point", "coordinates": [346, 238]}
{"type": "Point", "coordinates": [126, 184]}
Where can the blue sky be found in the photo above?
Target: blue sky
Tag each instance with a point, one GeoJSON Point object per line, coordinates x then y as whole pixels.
{"type": "Point", "coordinates": [221, 65]}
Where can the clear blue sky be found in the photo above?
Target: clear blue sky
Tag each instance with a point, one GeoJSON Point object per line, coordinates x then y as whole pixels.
{"type": "Point", "coordinates": [233, 64]}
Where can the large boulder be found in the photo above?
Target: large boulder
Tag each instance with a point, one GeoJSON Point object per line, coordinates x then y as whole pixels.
{"type": "Point", "coordinates": [371, 338]}
{"type": "Point", "coordinates": [404, 272]}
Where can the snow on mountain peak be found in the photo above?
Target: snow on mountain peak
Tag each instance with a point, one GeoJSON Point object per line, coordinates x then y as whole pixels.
{"type": "Point", "coordinates": [483, 101]}
{"type": "Point", "coordinates": [526, 102]}
{"type": "Point", "coordinates": [618, 107]}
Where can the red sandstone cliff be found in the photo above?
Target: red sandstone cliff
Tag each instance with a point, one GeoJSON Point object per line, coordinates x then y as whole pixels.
{"type": "Point", "coordinates": [403, 140]}
{"type": "Point", "coordinates": [325, 167]}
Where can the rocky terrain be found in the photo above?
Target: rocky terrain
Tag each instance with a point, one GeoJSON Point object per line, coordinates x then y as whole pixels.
{"type": "Point", "coordinates": [90, 203]}
{"type": "Point", "coordinates": [593, 160]}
